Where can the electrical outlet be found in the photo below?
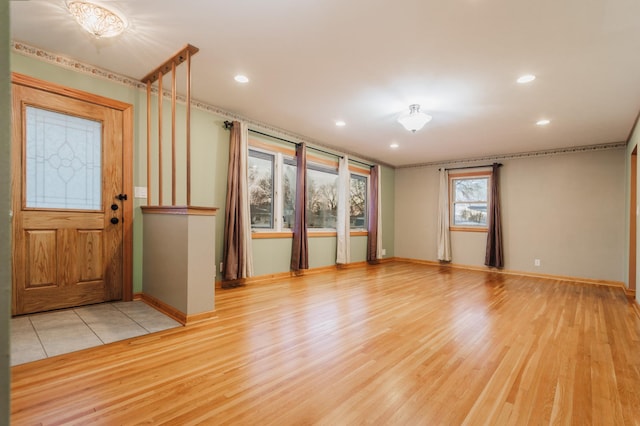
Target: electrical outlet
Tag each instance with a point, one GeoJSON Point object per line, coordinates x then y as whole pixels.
{"type": "Point", "coordinates": [384, 252]}
{"type": "Point", "coordinates": [536, 262]}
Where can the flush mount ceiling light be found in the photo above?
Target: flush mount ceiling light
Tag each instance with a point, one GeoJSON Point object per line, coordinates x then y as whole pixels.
{"type": "Point", "coordinates": [241, 78]}
{"type": "Point", "coordinates": [414, 120]}
{"type": "Point", "coordinates": [97, 20]}
{"type": "Point", "coordinates": [340, 123]}
{"type": "Point", "coordinates": [543, 122]}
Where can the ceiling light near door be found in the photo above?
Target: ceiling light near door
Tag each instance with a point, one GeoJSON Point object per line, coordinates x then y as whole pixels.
{"type": "Point", "coordinates": [241, 78]}
{"type": "Point", "coordinates": [414, 120]}
{"type": "Point", "coordinates": [97, 20]}
{"type": "Point", "coordinates": [543, 122]}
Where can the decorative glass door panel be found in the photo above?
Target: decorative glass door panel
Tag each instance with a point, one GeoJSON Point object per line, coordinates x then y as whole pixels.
{"type": "Point", "coordinates": [63, 157]}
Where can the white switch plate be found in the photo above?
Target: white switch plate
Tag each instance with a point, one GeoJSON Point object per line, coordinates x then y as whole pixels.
{"type": "Point", "coordinates": [140, 192]}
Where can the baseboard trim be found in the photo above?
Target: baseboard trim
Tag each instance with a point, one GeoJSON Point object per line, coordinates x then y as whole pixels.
{"type": "Point", "coordinates": [172, 312]}
{"type": "Point", "coordinates": [284, 275]}
{"type": "Point", "coordinates": [269, 278]}
{"type": "Point", "coordinates": [353, 265]}
{"type": "Point", "coordinates": [607, 283]}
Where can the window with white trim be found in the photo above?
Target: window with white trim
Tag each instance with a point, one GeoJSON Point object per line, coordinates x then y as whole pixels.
{"type": "Point", "coordinates": [469, 196]}
{"type": "Point", "coordinates": [289, 171]}
{"type": "Point", "coordinates": [358, 201]}
{"type": "Point", "coordinates": [272, 193]}
{"type": "Point", "coordinates": [261, 174]}
{"type": "Point", "coordinates": [322, 197]}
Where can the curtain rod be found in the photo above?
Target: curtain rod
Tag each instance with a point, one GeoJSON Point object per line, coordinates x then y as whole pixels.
{"type": "Point", "coordinates": [472, 167]}
{"type": "Point", "coordinates": [229, 124]}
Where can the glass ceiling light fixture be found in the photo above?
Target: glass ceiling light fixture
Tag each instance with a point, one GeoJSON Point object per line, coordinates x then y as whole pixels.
{"type": "Point", "coordinates": [414, 120]}
{"type": "Point", "coordinates": [97, 20]}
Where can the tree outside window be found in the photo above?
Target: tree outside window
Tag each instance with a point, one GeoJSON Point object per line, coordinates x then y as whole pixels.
{"type": "Point", "coordinates": [272, 192]}
{"type": "Point", "coordinates": [261, 189]}
{"type": "Point", "coordinates": [358, 204]}
{"type": "Point", "coordinates": [322, 197]}
{"type": "Point", "coordinates": [288, 193]}
{"type": "Point", "coordinates": [469, 200]}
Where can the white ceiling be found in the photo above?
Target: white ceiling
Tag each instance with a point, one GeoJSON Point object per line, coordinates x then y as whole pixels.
{"type": "Point", "coordinates": [312, 62]}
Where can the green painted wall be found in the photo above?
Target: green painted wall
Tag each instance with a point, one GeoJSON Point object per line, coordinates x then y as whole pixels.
{"type": "Point", "coordinates": [210, 152]}
{"type": "Point", "coordinates": [322, 252]}
{"type": "Point", "coordinates": [358, 249]}
{"type": "Point", "coordinates": [5, 221]}
{"type": "Point", "coordinates": [208, 138]}
{"type": "Point", "coordinates": [271, 256]}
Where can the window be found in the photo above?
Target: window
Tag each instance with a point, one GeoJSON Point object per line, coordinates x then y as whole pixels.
{"type": "Point", "coordinates": [272, 192]}
{"type": "Point", "coordinates": [289, 171]}
{"type": "Point", "coordinates": [322, 197]}
{"type": "Point", "coordinates": [358, 203]}
{"type": "Point", "coordinates": [261, 167]}
{"type": "Point", "coordinates": [469, 200]}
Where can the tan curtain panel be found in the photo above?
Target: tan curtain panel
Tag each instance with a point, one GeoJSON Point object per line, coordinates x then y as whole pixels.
{"type": "Point", "coordinates": [444, 235]}
{"type": "Point", "coordinates": [343, 246]}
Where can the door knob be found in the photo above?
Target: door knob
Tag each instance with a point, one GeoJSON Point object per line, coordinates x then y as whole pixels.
{"type": "Point", "coordinates": [121, 197]}
{"type": "Point", "coordinates": [115, 220]}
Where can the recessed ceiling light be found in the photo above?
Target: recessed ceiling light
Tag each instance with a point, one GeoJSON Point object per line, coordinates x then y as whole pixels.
{"type": "Point", "coordinates": [394, 145]}
{"type": "Point", "coordinates": [340, 123]}
{"type": "Point", "coordinates": [527, 78]}
{"type": "Point", "coordinates": [241, 78]}
{"type": "Point", "coordinates": [543, 122]}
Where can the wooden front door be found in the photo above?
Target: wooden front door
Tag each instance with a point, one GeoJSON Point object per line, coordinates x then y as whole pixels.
{"type": "Point", "coordinates": [68, 199]}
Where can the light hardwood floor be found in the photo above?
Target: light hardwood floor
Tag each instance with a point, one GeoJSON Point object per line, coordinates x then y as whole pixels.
{"type": "Point", "coordinates": [391, 344]}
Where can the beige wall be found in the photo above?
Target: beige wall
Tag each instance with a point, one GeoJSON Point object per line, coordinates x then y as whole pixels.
{"type": "Point", "coordinates": [566, 210]}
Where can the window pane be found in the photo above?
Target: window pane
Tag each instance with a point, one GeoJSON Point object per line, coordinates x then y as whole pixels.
{"type": "Point", "coordinates": [471, 189]}
{"type": "Point", "coordinates": [289, 193]}
{"type": "Point", "coordinates": [261, 189]}
{"type": "Point", "coordinates": [470, 214]}
{"type": "Point", "coordinates": [63, 161]}
{"type": "Point", "coordinates": [322, 198]}
{"type": "Point", "coordinates": [358, 204]}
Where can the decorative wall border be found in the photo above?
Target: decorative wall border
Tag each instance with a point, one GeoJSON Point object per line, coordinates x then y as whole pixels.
{"type": "Point", "coordinates": [556, 151]}
{"type": "Point", "coordinates": [72, 64]}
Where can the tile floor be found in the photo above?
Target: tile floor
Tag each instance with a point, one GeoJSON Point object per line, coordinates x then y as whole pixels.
{"type": "Point", "coordinates": [48, 334]}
